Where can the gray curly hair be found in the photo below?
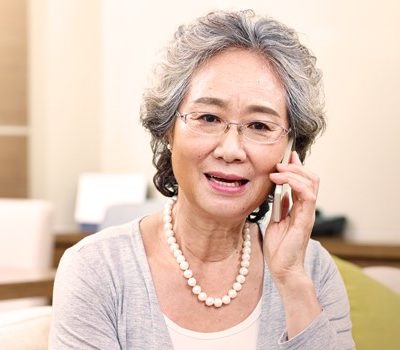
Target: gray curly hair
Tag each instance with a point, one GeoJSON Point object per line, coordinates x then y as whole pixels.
{"type": "Point", "coordinates": [194, 44]}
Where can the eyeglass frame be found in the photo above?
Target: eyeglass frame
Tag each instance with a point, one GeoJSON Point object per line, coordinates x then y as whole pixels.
{"type": "Point", "coordinates": [239, 127]}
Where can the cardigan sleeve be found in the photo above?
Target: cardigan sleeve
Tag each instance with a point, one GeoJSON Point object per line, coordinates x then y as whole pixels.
{"type": "Point", "coordinates": [331, 329]}
{"type": "Point", "coordinates": [83, 313]}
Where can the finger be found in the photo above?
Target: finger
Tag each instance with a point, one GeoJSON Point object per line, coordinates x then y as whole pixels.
{"type": "Point", "coordinates": [304, 200]}
{"type": "Point", "coordinates": [290, 177]}
{"type": "Point", "coordinates": [301, 172]}
{"type": "Point", "coordinates": [298, 168]}
{"type": "Point", "coordinates": [295, 159]}
{"type": "Point", "coordinates": [303, 192]}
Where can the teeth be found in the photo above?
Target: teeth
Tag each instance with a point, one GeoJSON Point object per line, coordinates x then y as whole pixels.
{"type": "Point", "coordinates": [226, 184]}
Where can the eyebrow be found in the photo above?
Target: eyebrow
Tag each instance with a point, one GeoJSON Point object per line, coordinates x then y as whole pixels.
{"type": "Point", "coordinates": [210, 101]}
{"type": "Point", "coordinates": [221, 103]}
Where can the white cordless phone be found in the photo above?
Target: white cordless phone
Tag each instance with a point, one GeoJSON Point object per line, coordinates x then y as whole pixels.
{"type": "Point", "coordinates": [280, 190]}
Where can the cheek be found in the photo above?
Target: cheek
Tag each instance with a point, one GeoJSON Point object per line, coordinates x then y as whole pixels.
{"type": "Point", "coordinates": [186, 156]}
{"type": "Point", "coordinates": [265, 164]}
{"type": "Point", "coordinates": [195, 149]}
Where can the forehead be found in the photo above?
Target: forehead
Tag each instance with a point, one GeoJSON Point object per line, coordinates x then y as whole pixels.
{"type": "Point", "coordinates": [238, 78]}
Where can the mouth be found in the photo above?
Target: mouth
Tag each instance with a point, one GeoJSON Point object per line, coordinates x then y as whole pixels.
{"type": "Point", "coordinates": [230, 181]}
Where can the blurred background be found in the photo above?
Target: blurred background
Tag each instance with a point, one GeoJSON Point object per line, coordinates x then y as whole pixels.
{"type": "Point", "coordinates": [72, 73]}
{"type": "Point", "coordinates": [74, 157]}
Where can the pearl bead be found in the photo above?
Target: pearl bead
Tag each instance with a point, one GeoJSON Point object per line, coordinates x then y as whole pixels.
{"type": "Point", "coordinates": [196, 289]}
{"type": "Point", "coordinates": [245, 263]}
{"type": "Point", "coordinates": [169, 233]}
{"type": "Point", "coordinates": [232, 293]}
{"type": "Point", "coordinates": [237, 286]}
{"type": "Point", "coordinates": [226, 299]}
{"type": "Point", "coordinates": [177, 252]}
{"type": "Point", "coordinates": [192, 281]}
{"type": "Point", "coordinates": [184, 265]}
{"type": "Point", "coordinates": [173, 246]}
{"type": "Point", "coordinates": [169, 205]}
{"type": "Point", "coordinates": [240, 279]}
{"type": "Point", "coordinates": [167, 218]}
{"type": "Point", "coordinates": [180, 258]}
{"type": "Point", "coordinates": [171, 240]}
{"type": "Point", "coordinates": [245, 256]}
{"type": "Point", "coordinates": [210, 301]}
{"type": "Point", "coordinates": [217, 302]}
{"type": "Point", "coordinates": [202, 296]}
{"type": "Point", "coordinates": [246, 250]}
{"type": "Point", "coordinates": [244, 271]}
{"type": "Point", "coordinates": [187, 273]}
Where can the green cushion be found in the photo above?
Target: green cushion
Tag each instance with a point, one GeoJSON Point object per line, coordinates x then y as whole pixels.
{"type": "Point", "coordinates": [375, 309]}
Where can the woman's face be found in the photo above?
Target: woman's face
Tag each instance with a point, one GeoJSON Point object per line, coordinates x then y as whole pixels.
{"type": "Point", "coordinates": [227, 175]}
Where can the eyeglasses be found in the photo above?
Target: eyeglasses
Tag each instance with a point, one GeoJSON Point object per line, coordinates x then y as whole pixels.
{"type": "Point", "coordinates": [258, 131]}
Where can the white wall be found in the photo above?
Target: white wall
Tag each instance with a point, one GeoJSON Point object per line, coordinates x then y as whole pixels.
{"type": "Point", "coordinates": [64, 84]}
{"type": "Point", "coordinates": [86, 106]}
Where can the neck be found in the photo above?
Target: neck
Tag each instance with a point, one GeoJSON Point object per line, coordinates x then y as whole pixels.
{"type": "Point", "coordinates": [204, 238]}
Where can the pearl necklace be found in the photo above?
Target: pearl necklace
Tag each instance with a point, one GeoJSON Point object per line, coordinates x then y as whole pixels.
{"type": "Point", "coordinates": [188, 274]}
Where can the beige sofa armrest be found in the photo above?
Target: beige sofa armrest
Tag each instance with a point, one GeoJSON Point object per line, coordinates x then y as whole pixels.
{"type": "Point", "coordinates": [25, 329]}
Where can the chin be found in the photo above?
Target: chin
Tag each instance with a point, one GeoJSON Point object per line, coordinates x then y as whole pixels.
{"type": "Point", "coordinates": [230, 209]}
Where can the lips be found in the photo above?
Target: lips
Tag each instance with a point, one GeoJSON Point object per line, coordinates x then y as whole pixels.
{"type": "Point", "coordinates": [226, 180]}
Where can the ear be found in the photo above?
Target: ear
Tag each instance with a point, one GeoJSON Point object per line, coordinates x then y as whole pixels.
{"type": "Point", "coordinates": [169, 137]}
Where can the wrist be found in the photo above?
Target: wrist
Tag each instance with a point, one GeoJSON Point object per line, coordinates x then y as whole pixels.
{"type": "Point", "coordinates": [294, 284]}
{"type": "Point", "coordinates": [300, 302]}
{"type": "Point", "coordinates": [290, 278]}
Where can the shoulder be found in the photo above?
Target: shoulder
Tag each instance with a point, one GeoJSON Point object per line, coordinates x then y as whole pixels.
{"type": "Point", "coordinates": [106, 265]}
{"type": "Point", "coordinates": [109, 236]}
{"type": "Point", "coordinates": [316, 253]}
{"type": "Point", "coordinates": [111, 250]}
{"type": "Point", "coordinates": [111, 239]}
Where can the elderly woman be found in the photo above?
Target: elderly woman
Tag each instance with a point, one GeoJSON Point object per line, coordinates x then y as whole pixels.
{"type": "Point", "coordinates": [233, 90]}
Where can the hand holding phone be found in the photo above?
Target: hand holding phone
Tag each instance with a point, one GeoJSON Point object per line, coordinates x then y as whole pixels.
{"type": "Point", "coordinates": [281, 190]}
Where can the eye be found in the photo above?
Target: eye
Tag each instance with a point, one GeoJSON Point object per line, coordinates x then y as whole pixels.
{"type": "Point", "coordinates": [208, 118]}
{"type": "Point", "coordinates": [260, 126]}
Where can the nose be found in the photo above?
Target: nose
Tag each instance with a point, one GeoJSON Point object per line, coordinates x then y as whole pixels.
{"type": "Point", "coordinates": [230, 147]}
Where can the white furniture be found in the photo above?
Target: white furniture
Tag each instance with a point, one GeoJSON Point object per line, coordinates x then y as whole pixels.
{"type": "Point", "coordinates": [25, 329]}
{"type": "Point", "coordinates": [26, 240]}
{"type": "Point", "coordinates": [99, 191]}
{"type": "Point", "coordinates": [387, 275]}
